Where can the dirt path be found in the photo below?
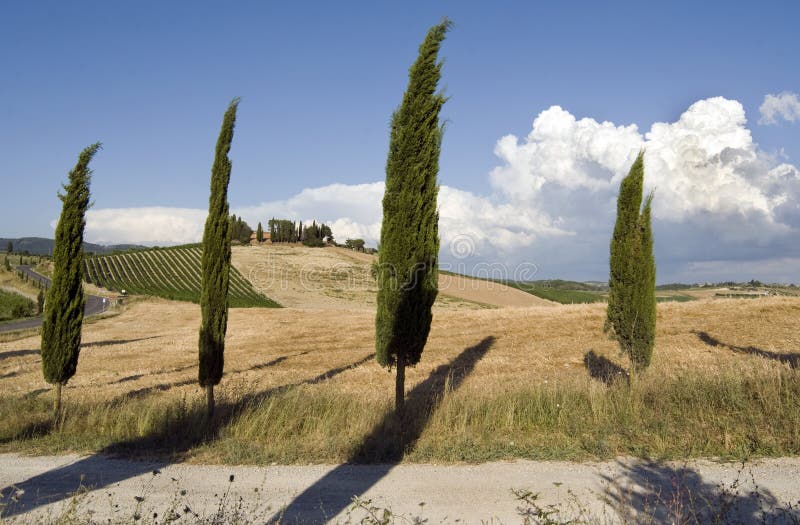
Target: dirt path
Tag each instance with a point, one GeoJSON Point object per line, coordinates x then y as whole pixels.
{"type": "Point", "coordinates": [443, 494]}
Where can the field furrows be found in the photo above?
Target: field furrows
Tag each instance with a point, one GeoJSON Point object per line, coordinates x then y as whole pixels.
{"type": "Point", "coordinates": [171, 273]}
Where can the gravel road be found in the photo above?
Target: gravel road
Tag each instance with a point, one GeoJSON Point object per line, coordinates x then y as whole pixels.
{"type": "Point", "coordinates": [120, 489]}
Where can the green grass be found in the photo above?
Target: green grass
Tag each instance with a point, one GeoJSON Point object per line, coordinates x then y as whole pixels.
{"type": "Point", "coordinates": [560, 295]}
{"type": "Point", "coordinates": [171, 273]}
{"type": "Point", "coordinates": [678, 298]}
{"type": "Point", "coordinates": [15, 306]}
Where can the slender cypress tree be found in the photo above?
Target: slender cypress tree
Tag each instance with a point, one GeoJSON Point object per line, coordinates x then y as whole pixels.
{"type": "Point", "coordinates": [260, 233]}
{"type": "Point", "coordinates": [63, 314]}
{"type": "Point", "coordinates": [215, 264]}
{"type": "Point", "coordinates": [408, 264]}
{"type": "Point", "coordinates": [631, 314]}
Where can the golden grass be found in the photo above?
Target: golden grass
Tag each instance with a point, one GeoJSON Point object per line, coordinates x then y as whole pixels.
{"type": "Point", "coordinates": [337, 278]}
{"type": "Point", "coordinates": [300, 386]}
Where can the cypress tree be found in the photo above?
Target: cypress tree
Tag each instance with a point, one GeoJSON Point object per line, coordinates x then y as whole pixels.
{"type": "Point", "coordinates": [260, 233]}
{"type": "Point", "coordinates": [63, 314]}
{"type": "Point", "coordinates": [408, 264]}
{"type": "Point", "coordinates": [215, 264]}
{"type": "Point", "coordinates": [631, 313]}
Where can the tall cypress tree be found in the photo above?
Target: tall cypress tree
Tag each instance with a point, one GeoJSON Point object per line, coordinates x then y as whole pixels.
{"type": "Point", "coordinates": [215, 264]}
{"type": "Point", "coordinates": [631, 313]}
{"type": "Point", "coordinates": [260, 233]}
{"type": "Point", "coordinates": [408, 263]}
{"type": "Point", "coordinates": [63, 314]}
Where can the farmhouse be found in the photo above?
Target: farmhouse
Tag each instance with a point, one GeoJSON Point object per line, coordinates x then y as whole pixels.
{"type": "Point", "coordinates": [254, 240]}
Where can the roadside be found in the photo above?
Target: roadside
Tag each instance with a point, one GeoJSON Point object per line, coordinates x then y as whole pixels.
{"type": "Point", "coordinates": [94, 304]}
{"type": "Point", "coordinates": [608, 492]}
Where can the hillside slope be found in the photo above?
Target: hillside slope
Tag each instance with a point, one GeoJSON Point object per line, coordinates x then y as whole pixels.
{"type": "Point", "coordinates": [302, 277]}
{"type": "Point", "coordinates": [171, 273]}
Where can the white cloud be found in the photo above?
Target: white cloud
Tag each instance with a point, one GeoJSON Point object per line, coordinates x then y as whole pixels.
{"type": "Point", "coordinates": [149, 225]}
{"type": "Point", "coordinates": [785, 105]}
{"type": "Point", "coordinates": [553, 198]}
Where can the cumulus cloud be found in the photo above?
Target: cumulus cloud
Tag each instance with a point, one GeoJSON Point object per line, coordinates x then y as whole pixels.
{"type": "Point", "coordinates": [148, 225]}
{"type": "Point", "coordinates": [784, 106]}
{"type": "Point", "coordinates": [355, 211]}
{"type": "Point", "coordinates": [552, 199]}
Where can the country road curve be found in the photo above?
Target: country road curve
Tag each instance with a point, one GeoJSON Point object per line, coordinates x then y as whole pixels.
{"type": "Point", "coordinates": [617, 491]}
{"type": "Point", "coordinates": [94, 304]}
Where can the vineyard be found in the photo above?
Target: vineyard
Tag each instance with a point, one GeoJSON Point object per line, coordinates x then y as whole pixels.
{"type": "Point", "coordinates": [171, 273]}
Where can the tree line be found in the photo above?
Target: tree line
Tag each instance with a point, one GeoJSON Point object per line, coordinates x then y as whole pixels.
{"type": "Point", "coordinates": [407, 267]}
{"type": "Point", "coordinates": [284, 230]}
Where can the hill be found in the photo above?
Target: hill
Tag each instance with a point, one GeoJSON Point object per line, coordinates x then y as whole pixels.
{"type": "Point", "coordinates": [171, 273]}
{"type": "Point", "coordinates": [302, 277]}
{"type": "Point", "coordinates": [44, 246]}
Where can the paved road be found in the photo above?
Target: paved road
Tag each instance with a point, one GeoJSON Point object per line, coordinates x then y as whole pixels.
{"type": "Point", "coordinates": [94, 304]}
{"type": "Point", "coordinates": [653, 492]}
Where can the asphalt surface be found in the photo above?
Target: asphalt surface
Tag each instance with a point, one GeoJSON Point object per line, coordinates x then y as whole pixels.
{"type": "Point", "coordinates": [94, 304]}
{"type": "Point", "coordinates": [621, 491]}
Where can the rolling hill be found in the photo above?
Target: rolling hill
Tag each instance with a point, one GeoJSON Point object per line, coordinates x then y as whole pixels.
{"type": "Point", "coordinates": [171, 273]}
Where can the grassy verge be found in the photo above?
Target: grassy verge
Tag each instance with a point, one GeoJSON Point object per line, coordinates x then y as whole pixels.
{"type": "Point", "coordinates": [15, 306]}
{"type": "Point", "coordinates": [732, 414]}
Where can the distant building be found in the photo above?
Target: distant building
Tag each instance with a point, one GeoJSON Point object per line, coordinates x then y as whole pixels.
{"type": "Point", "coordinates": [254, 240]}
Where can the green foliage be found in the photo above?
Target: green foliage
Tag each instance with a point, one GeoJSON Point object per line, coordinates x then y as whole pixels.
{"type": "Point", "coordinates": [240, 230]}
{"type": "Point", "coordinates": [172, 273]}
{"type": "Point", "coordinates": [216, 261]}
{"type": "Point", "coordinates": [40, 301]}
{"type": "Point", "coordinates": [6, 264]}
{"type": "Point", "coordinates": [63, 315]}
{"type": "Point", "coordinates": [355, 244]}
{"type": "Point", "coordinates": [631, 313]}
{"type": "Point", "coordinates": [559, 295]}
{"type": "Point", "coordinates": [260, 233]}
{"type": "Point", "coordinates": [14, 306]}
{"type": "Point", "coordinates": [10, 247]}
{"type": "Point", "coordinates": [408, 260]}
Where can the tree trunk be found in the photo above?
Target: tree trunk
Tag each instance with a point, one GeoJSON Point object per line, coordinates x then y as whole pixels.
{"type": "Point", "coordinates": [210, 399]}
{"type": "Point", "coordinates": [400, 389]}
{"type": "Point", "coordinates": [57, 406]}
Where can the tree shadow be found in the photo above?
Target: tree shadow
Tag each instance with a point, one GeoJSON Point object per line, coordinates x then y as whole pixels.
{"type": "Point", "coordinates": [39, 428]}
{"type": "Point", "coordinates": [650, 492]}
{"type": "Point", "coordinates": [603, 369]}
{"type": "Point", "coordinates": [169, 443]}
{"type": "Point", "coordinates": [17, 353]}
{"type": "Point", "coordinates": [163, 387]}
{"type": "Point", "coordinates": [386, 444]}
{"type": "Point", "coordinates": [112, 342]}
{"type": "Point", "coordinates": [793, 360]}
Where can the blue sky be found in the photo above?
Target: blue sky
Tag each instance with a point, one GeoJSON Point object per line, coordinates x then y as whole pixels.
{"type": "Point", "coordinates": [319, 81]}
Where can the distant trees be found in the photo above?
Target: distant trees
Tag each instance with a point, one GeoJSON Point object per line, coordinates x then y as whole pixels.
{"type": "Point", "coordinates": [282, 230]}
{"type": "Point", "coordinates": [260, 233]}
{"type": "Point", "coordinates": [40, 302]}
{"type": "Point", "coordinates": [355, 244]}
{"type": "Point", "coordinates": [240, 230]}
{"type": "Point", "coordinates": [215, 264]}
{"type": "Point", "coordinates": [408, 264]}
{"type": "Point", "coordinates": [63, 315]}
{"type": "Point", "coordinates": [631, 314]}
{"type": "Point", "coordinates": [10, 247]}
{"type": "Point", "coordinates": [314, 235]}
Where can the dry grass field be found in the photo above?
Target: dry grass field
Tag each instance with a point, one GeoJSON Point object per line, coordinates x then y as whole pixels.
{"type": "Point", "coordinates": [301, 386]}
{"type": "Point", "coordinates": [336, 278]}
